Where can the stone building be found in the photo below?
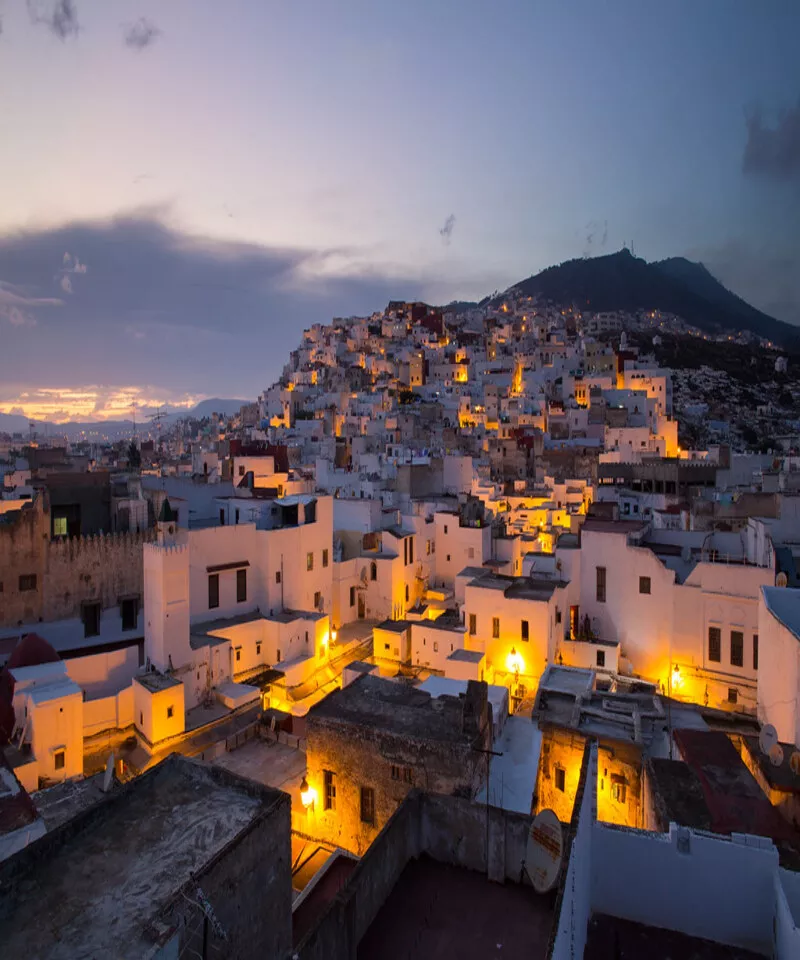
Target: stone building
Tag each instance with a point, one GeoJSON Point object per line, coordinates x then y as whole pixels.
{"type": "Point", "coordinates": [369, 743]}
{"type": "Point", "coordinates": [43, 579]}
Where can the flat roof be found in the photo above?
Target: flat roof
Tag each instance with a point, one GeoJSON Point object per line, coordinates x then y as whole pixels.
{"type": "Point", "coordinates": [784, 604]}
{"type": "Point", "coordinates": [512, 775]}
{"type": "Point", "coordinates": [54, 690]}
{"type": "Point", "coordinates": [467, 656]}
{"type": "Point", "coordinates": [677, 794]}
{"type": "Point", "coordinates": [393, 626]}
{"type": "Point", "coordinates": [612, 937]}
{"type": "Point", "coordinates": [156, 682]}
{"type": "Point", "coordinates": [377, 704]}
{"type": "Point", "coordinates": [438, 911]}
{"type": "Point", "coordinates": [101, 878]}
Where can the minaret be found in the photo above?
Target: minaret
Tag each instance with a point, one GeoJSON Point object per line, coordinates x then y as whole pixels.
{"type": "Point", "coordinates": [166, 595]}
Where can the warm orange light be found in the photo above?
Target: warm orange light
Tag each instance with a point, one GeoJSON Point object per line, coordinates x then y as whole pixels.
{"type": "Point", "coordinates": [307, 794]}
{"type": "Point", "coordinates": [514, 661]}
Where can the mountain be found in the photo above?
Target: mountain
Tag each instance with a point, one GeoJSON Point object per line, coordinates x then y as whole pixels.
{"type": "Point", "coordinates": [620, 281]}
{"type": "Point", "coordinates": [15, 423]}
{"type": "Point", "coordinates": [205, 408]}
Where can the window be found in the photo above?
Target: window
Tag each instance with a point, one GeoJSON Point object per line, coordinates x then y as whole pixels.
{"type": "Point", "coordinates": [737, 648]}
{"type": "Point", "coordinates": [618, 788]}
{"type": "Point", "coordinates": [495, 627]}
{"type": "Point", "coordinates": [241, 469]}
{"type": "Point", "coordinates": [524, 632]}
{"type": "Point", "coordinates": [236, 518]}
{"type": "Point", "coordinates": [448, 558]}
{"type": "Point", "coordinates": [59, 759]}
{"type": "Point", "coordinates": [473, 624]}
{"type": "Point", "coordinates": [405, 553]}
{"type": "Point", "coordinates": [129, 609]}
{"type": "Point", "coordinates": [317, 600]}
{"type": "Point", "coordinates": [170, 712]}
{"type": "Point", "coordinates": [238, 654]}
{"type": "Point", "coordinates": [601, 658]}
{"type": "Point", "coordinates": [367, 805]}
{"type": "Point", "coordinates": [558, 615]}
{"type": "Point", "coordinates": [258, 649]}
{"type": "Point", "coordinates": [733, 695]}
{"type": "Point", "coordinates": [435, 646]}
{"type": "Point", "coordinates": [644, 585]}
{"type": "Point", "coordinates": [241, 586]}
{"type": "Point", "coordinates": [141, 718]}
{"type": "Point", "coordinates": [471, 553]}
{"type": "Point", "coordinates": [373, 571]}
{"type": "Point", "coordinates": [325, 558]}
{"type": "Point", "coordinates": [401, 773]}
{"type": "Point", "coordinates": [445, 528]}
{"type": "Point", "coordinates": [221, 517]}
{"type": "Point", "coordinates": [601, 584]}
{"type": "Point", "coordinates": [714, 644]}
{"type": "Point", "coordinates": [329, 790]}
{"type": "Point", "coordinates": [27, 581]}
{"type": "Point", "coordinates": [59, 526]}
{"type": "Point", "coordinates": [213, 591]}
{"type": "Point", "coordinates": [91, 619]}
{"type": "Point", "coordinates": [410, 549]}
{"type": "Point", "coordinates": [309, 561]}
{"type": "Point", "coordinates": [277, 576]}
{"type": "Point", "coordinates": [755, 651]}
{"type": "Point", "coordinates": [406, 593]}
{"type": "Point", "coordinates": [352, 596]}
{"type": "Point", "coordinates": [278, 655]}
{"type": "Point", "coordinates": [428, 547]}
{"type": "Point", "coordinates": [560, 778]}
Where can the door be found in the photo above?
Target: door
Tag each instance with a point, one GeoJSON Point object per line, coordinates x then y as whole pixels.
{"type": "Point", "coordinates": [361, 607]}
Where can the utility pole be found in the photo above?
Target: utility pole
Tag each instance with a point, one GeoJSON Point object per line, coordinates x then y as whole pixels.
{"type": "Point", "coordinates": [488, 753]}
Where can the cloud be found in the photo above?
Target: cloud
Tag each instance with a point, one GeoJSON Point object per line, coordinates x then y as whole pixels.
{"type": "Point", "coordinates": [773, 151]}
{"type": "Point", "coordinates": [169, 306]}
{"type": "Point", "coordinates": [446, 231]}
{"type": "Point", "coordinates": [60, 17]}
{"type": "Point", "coordinates": [141, 34]}
{"type": "Point", "coordinates": [18, 308]}
{"type": "Point", "coordinates": [70, 265]}
{"type": "Point", "coordinates": [66, 284]}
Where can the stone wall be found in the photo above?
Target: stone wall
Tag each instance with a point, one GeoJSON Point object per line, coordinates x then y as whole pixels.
{"type": "Point", "coordinates": [249, 883]}
{"type": "Point", "coordinates": [359, 757]}
{"type": "Point", "coordinates": [448, 829]}
{"type": "Point", "coordinates": [67, 571]}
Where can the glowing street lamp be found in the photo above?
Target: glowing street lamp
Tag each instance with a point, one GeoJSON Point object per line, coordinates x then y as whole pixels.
{"type": "Point", "coordinates": [307, 794]}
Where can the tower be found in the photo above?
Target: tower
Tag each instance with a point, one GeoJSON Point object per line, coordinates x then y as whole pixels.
{"type": "Point", "coordinates": [166, 596]}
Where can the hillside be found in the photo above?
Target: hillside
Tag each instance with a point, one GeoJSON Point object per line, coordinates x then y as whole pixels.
{"type": "Point", "coordinates": [621, 281]}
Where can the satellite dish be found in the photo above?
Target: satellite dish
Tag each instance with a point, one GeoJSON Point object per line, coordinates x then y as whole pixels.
{"type": "Point", "coordinates": [545, 851]}
{"type": "Point", "coordinates": [794, 762]}
{"type": "Point", "coordinates": [781, 580]}
{"type": "Point", "coordinates": [768, 738]}
{"type": "Point", "coordinates": [776, 755]}
{"type": "Point", "coordinates": [108, 776]}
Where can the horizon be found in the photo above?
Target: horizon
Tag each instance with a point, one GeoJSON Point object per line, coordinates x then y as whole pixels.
{"type": "Point", "coordinates": [239, 176]}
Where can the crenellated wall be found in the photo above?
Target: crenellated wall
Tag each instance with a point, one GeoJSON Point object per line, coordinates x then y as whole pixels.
{"type": "Point", "coordinates": [67, 572]}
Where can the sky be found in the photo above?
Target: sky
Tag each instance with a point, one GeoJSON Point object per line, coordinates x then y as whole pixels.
{"type": "Point", "coordinates": [186, 185]}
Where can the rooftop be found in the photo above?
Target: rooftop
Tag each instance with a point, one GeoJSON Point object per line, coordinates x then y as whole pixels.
{"type": "Point", "coordinates": [609, 937]}
{"type": "Point", "coordinates": [784, 604]}
{"type": "Point", "coordinates": [375, 703]}
{"type": "Point", "coordinates": [108, 872]}
{"type": "Point", "coordinates": [438, 911]}
{"type": "Point", "coordinates": [156, 682]}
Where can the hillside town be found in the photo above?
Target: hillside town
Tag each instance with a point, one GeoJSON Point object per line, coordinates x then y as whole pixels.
{"type": "Point", "coordinates": [490, 604]}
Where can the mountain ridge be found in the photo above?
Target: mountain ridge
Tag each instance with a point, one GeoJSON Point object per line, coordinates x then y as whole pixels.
{"type": "Point", "coordinates": [622, 282]}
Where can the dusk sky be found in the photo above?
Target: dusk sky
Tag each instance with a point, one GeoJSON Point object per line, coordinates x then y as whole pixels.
{"type": "Point", "coordinates": [185, 185]}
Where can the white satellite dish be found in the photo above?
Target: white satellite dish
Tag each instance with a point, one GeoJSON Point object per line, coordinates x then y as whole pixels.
{"type": "Point", "coordinates": [794, 763]}
{"type": "Point", "coordinates": [545, 851]}
{"type": "Point", "coordinates": [781, 580]}
{"type": "Point", "coordinates": [768, 738]}
{"type": "Point", "coordinates": [776, 755]}
{"type": "Point", "coordinates": [108, 776]}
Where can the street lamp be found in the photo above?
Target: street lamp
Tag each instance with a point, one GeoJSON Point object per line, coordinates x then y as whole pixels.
{"type": "Point", "coordinates": [307, 794]}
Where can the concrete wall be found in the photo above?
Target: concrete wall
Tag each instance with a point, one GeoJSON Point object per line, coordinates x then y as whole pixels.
{"type": "Point", "coordinates": [103, 674]}
{"type": "Point", "coordinates": [575, 907]}
{"type": "Point", "coordinates": [108, 713]}
{"type": "Point", "coordinates": [778, 676]}
{"type": "Point", "coordinates": [787, 934]}
{"type": "Point", "coordinates": [647, 878]}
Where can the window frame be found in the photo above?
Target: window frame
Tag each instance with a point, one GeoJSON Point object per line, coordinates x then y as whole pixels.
{"type": "Point", "coordinates": [716, 632]}
{"type": "Point", "coordinates": [601, 584]}
{"type": "Point", "coordinates": [738, 649]}
{"type": "Point", "coordinates": [495, 628]}
{"type": "Point", "coordinates": [213, 591]}
{"type": "Point", "coordinates": [328, 790]}
{"type": "Point", "coordinates": [645, 582]}
{"type": "Point", "coordinates": [367, 805]}
{"type": "Point", "coordinates": [241, 585]}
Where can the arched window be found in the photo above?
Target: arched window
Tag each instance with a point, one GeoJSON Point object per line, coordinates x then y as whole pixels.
{"type": "Point", "coordinates": [373, 571]}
